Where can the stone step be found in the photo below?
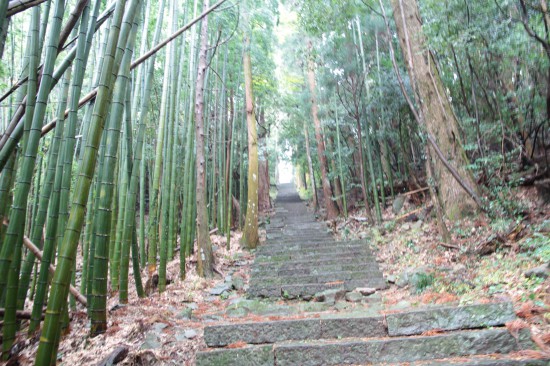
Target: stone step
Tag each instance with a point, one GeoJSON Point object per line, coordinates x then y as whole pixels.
{"type": "Point", "coordinates": [326, 248]}
{"type": "Point", "coordinates": [406, 349]}
{"type": "Point", "coordinates": [309, 242]}
{"type": "Point", "coordinates": [316, 271]}
{"type": "Point", "coordinates": [412, 322]}
{"type": "Point", "coordinates": [295, 330]}
{"type": "Point", "coordinates": [316, 278]}
{"type": "Point", "coordinates": [361, 351]}
{"type": "Point", "coordinates": [501, 360]}
{"type": "Point", "coordinates": [308, 290]}
{"type": "Point", "coordinates": [350, 264]}
{"type": "Point", "coordinates": [295, 239]}
{"type": "Point", "coordinates": [320, 256]}
{"type": "Point", "coordinates": [299, 255]}
{"type": "Point", "coordinates": [292, 270]}
{"type": "Point", "coordinates": [363, 253]}
{"type": "Point", "coordinates": [449, 318]}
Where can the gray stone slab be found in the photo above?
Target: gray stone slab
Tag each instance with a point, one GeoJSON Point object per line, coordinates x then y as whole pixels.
{"type": "Point", "coordinates": [249, 356]}
{"type": "Point", "coordinates": [263, 332]}
{"type": "Point", "coordinates": [450, 318]}
{"type": "Point", "coordinates": [264, 291]}
{"type": "Point", "coordinates": [396, 350]}
{"type": "Point", "coordinates": [295, 330]}
{"type": "Point", "coordinates": [368, 327]}
{"type": "Point", "coordinates": [319, 272]}
{"type": "Point", "coordinates": [485, 362]}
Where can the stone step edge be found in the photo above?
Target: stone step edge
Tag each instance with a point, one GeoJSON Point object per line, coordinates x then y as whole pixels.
{"type": "Point", "coordinates": [406, 323]}
{"type": "Point", "coordinates": [394, 350]}
{"type": "Point", "coordinates": [308, 290]}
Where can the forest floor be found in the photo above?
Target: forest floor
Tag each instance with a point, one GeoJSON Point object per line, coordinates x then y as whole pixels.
{"type": "Point", "coordinates": [486, 260]}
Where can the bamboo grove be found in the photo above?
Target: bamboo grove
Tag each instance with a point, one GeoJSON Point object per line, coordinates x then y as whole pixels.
{"type": "Point", "coordinates": [125, 143]}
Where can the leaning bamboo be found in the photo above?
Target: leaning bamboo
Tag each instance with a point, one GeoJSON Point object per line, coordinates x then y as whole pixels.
{"type": "Point", "coordinates": [67, 252]}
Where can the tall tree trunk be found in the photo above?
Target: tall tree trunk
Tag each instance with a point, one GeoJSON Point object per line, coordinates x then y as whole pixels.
{"type": "Point", "coordinates": [250, 230]}
{"type": "Point", "coordinates": [435, 109]}
{"type": "Point", "coordinates": [332, 209]}
{"type": "Point", "coordinates": [205, 263]}
{"type": "Point", "coordinates": [311, 172]}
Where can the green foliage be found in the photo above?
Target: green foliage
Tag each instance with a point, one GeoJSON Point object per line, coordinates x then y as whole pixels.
{"type": "Point", "coordinates": [423, 281]}
{"type": "Point", "coordinates": [537, 246]}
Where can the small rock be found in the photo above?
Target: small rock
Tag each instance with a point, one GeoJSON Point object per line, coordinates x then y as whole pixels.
{"type": "Point", "coordinates": [417, 225]}
{"type": "Point", "coordinates": [238, 301]}
{"type": "Point", "coordinates": [366, 291]}
{"type": "Point", "coordinates": [341, 305]}
{"type": "Point", "coordinates": [372, 299]}
{"type": "Point", "coordinates": [210, 298]}
{"type": "Point", "coordinates": [391, 279]}
{"type": "Point", "coordinates": [186, 313]}
{"type": "Point", "coordinates": [330, 296]}
{"type": "Point", "coordinates": [151, 341]}
{"type": "Point", "coordinates": [190, 333]}
{"type": "Point", "coordinates": [410, 276]}
{"type": "Point", "coordinates": [228, 278]}
{"type": "Point", "coordinates": [212, 318]}
{"type": "Point", "coordinates": [158, 327]}
{"type": "Point", "coordinates": [545, 227]}
{"type": "Point", "coordinates": [237, 312]}
{"type": "Point", "coordinates": [398, 204]}
{"type": "Point", "coordinates": [238, 283]}
{"type": "Point", "coordinates": [220, 289]}
{"type": "Point", "coordinates": [540, 271]}
{"type": "Point", "coordinates": [354, 297]}
{"type": "Point", "coordinates": [406, 227]}
{"type": "Point", "coordinates": [193, 306]}
{"type": "Point", "coordinates": [403, 304]}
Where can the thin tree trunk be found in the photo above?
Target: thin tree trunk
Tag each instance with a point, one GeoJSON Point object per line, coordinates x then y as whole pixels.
{"type": "Point", "coordinates": [314, 197]}
{"type": "Point", "coordinates": [332, 209]}
{"type": "Point", "coordinates": [250, 231]}
{"type": "Point", "coordinates": [205, 257]}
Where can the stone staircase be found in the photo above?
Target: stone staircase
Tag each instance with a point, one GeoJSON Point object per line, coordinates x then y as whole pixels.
{"type": "Point", "coordinates": [301, 260]}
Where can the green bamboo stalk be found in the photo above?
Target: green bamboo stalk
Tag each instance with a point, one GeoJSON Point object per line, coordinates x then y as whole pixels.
{"type": "Point", "coordinates": [153, 195]}
{"type": "Point", "coordinates": [6, 183]}
{"type": "Point", "coordinates": [174, 162]}
{"type": "Point", "coordinates": [45, 193]}
{"type": "Point", "coordinates": [139, 163]}
{"type": "Point", "coordinates": [142, 251]}
{"type": "Point", "coordinates": [32, 83]}
{"type": "Point", "coordinates": [48, 341]}
{"type": "Point", "coordinates": [340, 164]}
{"type": "Point", "coordinates": [188, 222]}
{"type": "Point", "coordinates": [229, 175]}
{"type": "Point", "coordinates": [168, 96]}
{"type": "Point", "coordinates": [14, 234]}
{"type": "Point", "coordinates": [102, 221]}
{"type": "Point", "coordinates": [114, 251]}
{"type": "Point", "coordinates": [117, 218]}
